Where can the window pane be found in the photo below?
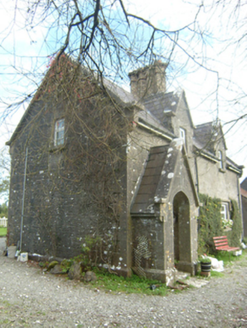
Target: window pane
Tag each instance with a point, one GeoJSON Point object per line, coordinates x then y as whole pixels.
{"type": "Point", "coordinates": [60, 124]}
{"type": "Point", "coordinates": [59, 133]}
{"type": "Point", "coordinates": [220, 159]}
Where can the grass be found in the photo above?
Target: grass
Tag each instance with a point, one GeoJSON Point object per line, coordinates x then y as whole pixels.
{"type": "Point", "coordinates": [3, 232]}
{"type": "Point", "coordinates": [217, 274]}
{"type": "Point", "coordinates": [228, 258]}
{"type": "Point", "coordinates": [115, 284]}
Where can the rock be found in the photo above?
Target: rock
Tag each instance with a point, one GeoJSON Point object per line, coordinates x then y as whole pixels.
{"type": "Point", "coordinates": [90, 276]}
{"type": "Point", "coordinates": [57, 269]}
{"type": "Point", "coordinates": [75, 271]}
{"type": "Point", "coordinates": [51, 265]}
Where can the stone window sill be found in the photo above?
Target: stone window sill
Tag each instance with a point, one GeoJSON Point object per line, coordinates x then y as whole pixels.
{"type": "Point", "coordinates": [59, 148]}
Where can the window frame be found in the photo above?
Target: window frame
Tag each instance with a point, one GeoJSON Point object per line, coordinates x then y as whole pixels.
{"type": "Point", "coordinates": [182, 135]}
{"type": "Point", "coordinates": [58, 142]}
{"type": "Point", "coordinates": [220, 157]}
{"type": "Point", "coordinates": [225, 211]}
{"type": "Point", "coordinates": [225, 216]}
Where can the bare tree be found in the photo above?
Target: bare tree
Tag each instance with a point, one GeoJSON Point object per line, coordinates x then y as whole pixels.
{"type": "Point", "coordinates": [105, 37]}
{"type": "Point", "coordinates": [109, 41]}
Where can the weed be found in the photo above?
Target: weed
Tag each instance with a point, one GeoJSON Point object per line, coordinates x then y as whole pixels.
{"type": "Point", "coordinates": [134, 284]}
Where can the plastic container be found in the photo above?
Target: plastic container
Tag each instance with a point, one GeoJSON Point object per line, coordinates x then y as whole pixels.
{"type": "Point", "coordinates": [11, 252]}
{"type": "Point", "coordinates": [23, 257]}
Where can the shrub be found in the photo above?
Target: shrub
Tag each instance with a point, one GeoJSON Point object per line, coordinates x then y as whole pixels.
{"type": "Point", "coordinates": [234, 236]}
{"type": "Point", "coordinates": [210, 223]}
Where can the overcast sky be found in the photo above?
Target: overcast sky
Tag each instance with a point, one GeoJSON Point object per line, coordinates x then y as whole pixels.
{"type": "Point", "coordinates": [199, 85]}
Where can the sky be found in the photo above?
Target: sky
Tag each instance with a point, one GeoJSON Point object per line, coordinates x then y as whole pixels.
{"type": "Point", "coordinates": [23, 50]}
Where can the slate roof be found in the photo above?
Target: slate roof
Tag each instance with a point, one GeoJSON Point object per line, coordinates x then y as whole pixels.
{"type": "Point", "coordinates": [161, 104]}
{"type": "Point", "coordinates": [205, 136]}
{"type": "Point", "coordinates": [151, 188]}
{"type": "Point", "coordinates": [123, 95]}
{"type": "Point", "coordinates": [243, 192]}
{"type": "Point", "coordinates": [243, 184]}
{"type": "Point", "coordinates": [150, 120]}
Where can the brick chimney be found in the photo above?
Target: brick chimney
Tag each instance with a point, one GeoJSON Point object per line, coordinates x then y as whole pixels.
{"type": "Point", "coordinates": [148, 80]}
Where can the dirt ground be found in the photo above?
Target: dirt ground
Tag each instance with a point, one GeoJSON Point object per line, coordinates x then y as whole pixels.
{"type": "Point", "coordinates": [31, 298]}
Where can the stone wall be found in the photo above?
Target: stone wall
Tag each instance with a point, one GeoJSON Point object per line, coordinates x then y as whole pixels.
{"type": "Point", "coordinates": [59, 212]}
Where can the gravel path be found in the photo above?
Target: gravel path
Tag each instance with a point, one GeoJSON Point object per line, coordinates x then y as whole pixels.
{"type": "Point", "coordinates": [30, 298]}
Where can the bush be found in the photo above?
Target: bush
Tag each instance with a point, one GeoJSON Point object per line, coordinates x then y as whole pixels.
{"type": "Point", "coordinates": [210, 223]}
{"type": "Point", "coordinates": [234, 236]}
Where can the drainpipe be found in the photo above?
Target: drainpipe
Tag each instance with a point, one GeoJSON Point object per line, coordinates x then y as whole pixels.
{"type": "Point", "coordinates": [23, 197]}
{"type": "Point", "coordinates": [197, 178]}
{"type": "Point", "coordinates": [197, 188]}
{"type": "Point", "coordinates": [240, 206]}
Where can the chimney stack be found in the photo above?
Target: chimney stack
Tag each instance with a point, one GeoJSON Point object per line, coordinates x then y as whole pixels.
{"type": "Point", "coordinates": [148, 80]}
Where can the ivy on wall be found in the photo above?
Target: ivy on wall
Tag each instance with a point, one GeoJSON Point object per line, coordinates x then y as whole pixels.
{"type": "Point", "coordinates": [234, 236]}
{"type": "Point", "coordinates": [210, 224]}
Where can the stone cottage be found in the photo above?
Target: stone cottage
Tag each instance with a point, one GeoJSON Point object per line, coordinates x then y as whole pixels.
{"type": "Point", "coordinates": [93, 163]}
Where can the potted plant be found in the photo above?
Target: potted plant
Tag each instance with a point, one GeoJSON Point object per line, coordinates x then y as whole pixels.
{"type": "Point", "coordinates": [205, 264]}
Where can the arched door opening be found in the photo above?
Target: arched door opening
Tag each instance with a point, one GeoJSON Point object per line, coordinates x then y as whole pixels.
{"type": "Point", "coordinates": [181, 228]}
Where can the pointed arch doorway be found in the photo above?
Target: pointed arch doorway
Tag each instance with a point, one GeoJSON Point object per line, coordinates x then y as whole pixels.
{"type": "Point", "coordinates": [182, 235]}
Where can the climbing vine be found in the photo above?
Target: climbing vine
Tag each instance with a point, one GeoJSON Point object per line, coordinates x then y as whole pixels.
{"type": "Point", "coordinates": [234, 236]}
{"type": "Point", "coordinates": [80, 183]}
{"type": "Point", "coordinates": [211, 225]}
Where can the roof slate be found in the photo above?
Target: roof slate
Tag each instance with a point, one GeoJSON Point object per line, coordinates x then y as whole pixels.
{"type": "Point", "coordinates": [161, 105]}
{"type": "Point", "coordinates": [243, 184]}
{"type": "Point", "coordinates": [156, 181]}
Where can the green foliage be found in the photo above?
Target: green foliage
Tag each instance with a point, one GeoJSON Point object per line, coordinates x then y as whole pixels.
{"type": "Point", "coordinates": [210, 223]}
{"type": "Point", "coordinates": [3, 232]}
{"type": "Point", "coordinates": [91, 251]}
{"type": "Point", "coordinates": [216, 274]}
{"type": "Point", "coordinates": [234, 236]}
{"type": "Point", "coordinates": [3, 210]}
{"type": "Point", "coordinates": [66, 264]}
{"type": "Point", "coordinates": [228, 258]}
{"type": "Point", "coordinates": [245, 240]}
{"type": "Point", "coordinates": [52, 264]}
{"type": "Point", "coordinates": [205, 260]}
{"type": "Point", "coordinates": [4, 189]}
{"type": "Point", "coordinates": [134, 284]}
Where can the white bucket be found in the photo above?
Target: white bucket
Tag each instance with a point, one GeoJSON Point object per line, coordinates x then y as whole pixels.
{"type": "Point", "coordinates": [23, 257]}
{"type": "Point", "coordinates": [11, 252]}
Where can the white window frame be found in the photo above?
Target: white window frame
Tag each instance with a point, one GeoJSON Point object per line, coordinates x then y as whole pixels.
{"type": "Point", "coordinates": [224, 211]}
{"type": "Point", "coordinates": [59, 128]}
{"type": "Point", "coordinates": [220, 156]}
{"type": "Point", "coordinates": [182, 135]}
{"type": "Point", "coordinates": [225, 216]}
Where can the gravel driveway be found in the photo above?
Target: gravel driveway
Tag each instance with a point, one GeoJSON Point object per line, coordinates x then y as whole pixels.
{"type": "Point", "coordinates": [30, 298]}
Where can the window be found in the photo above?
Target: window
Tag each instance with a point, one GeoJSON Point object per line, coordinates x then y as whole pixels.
{"type": "Point", "coordinates": [220, 159]}
{"type": "Point", "coordinates": [182, 135]}
{"type": "Point", "coordinates": [59, 133]}
{"type": "Point", "coordinates": [226, 221]}
{"type": "Point", "coordinates": [224, 211]}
